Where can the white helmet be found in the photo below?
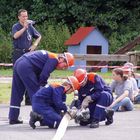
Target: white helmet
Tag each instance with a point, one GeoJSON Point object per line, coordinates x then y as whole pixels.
{"type": "Point", "coordinates": [129, 65]}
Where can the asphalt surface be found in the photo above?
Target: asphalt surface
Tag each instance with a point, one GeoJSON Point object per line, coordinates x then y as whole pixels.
{"type": "Point", "coordinates": [126, 126]}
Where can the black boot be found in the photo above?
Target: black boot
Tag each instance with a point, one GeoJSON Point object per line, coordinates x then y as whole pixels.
{"type": "Point", "coordinates": [84, 123]}
{"type": "Point", "coordinates": [15, 122]}
{"type": "Point", "coordinates": [27, 99]}
{"type": "Point", "coordinates": [42, 123]}
{"type": "Point", "coordinates": [34, 117]}
{"type": "Point", "coordinates": [109, 116]}
{"type": "Point", "coordinates": [94, 124]}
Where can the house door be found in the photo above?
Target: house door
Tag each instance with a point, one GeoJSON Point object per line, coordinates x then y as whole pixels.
{"type": "Point", "coordinates": [93, 50]}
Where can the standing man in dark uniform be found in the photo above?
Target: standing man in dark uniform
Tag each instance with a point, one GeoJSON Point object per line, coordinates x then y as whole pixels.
{"type": "Point", "coordinates": [22, 33]}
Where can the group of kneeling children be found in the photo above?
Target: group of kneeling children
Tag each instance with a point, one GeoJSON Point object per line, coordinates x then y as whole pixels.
{"type": "Point", "coordinates": [48, 103]}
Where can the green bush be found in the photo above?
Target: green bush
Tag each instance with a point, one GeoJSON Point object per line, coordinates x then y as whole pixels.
{"type": "Point", "coordinates": [5, 47]}
{"type": "Point", "coordinates": [54, 36]}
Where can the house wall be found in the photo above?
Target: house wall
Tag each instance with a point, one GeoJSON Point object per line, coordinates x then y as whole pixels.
{"type": "Point", "coordinates": [95, 38]}
{"type": "Point", "coordinates": [76, 50]}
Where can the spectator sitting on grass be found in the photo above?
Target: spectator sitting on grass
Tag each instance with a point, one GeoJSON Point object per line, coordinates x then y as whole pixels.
{"type": "Point", "coordinates": [123, 89]}
{"type": "Point", "coordinates": [135, 78]}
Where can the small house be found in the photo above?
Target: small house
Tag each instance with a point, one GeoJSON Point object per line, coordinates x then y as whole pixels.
{"type": "Point", "coordinates": [87, 40]}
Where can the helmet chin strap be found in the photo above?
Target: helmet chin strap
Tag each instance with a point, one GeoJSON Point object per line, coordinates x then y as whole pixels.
{"type": "Point", "coordinates": [84, 82]}
{"type": "Point", "coordinates": [67, 90]}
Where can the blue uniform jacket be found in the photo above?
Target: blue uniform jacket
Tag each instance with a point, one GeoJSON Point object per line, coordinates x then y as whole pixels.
{"type": "Point", "coordinates": [25, 40]}
{"type": "Point", "coordinates": [94, 87]}
{"type": "Point", "coordinates": [51, 95]}
{"type": "Point", "coordinates": [43, 64]}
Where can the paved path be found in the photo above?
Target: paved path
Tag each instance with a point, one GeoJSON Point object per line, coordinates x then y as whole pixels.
{"type": "Point", "coordinates": [126, 126]}
{"type": "Point", "coordinates": [5, 79]}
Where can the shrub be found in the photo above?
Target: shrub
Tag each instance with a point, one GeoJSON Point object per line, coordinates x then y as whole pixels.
{"type": "Point", "coordinates": [54, 36]}
{"type": "Point", "coordinates": [5, 47]}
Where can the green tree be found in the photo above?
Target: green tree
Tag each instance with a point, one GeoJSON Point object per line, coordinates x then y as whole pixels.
{"type": "Point", "coordinates": [118, 20]}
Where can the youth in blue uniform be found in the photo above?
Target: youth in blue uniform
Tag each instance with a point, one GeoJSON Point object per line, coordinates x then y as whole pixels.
{"type": "Point", "coordinates": [49, 102]}
{"type": "Point", "coordinates": [31, 71]}
{"type": "Point", "coordinates": [95, 95]}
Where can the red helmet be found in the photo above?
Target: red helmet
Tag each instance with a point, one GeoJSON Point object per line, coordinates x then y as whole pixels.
{"type": "Point", "coordinates": [69, 58]}
{"type": "Point", "coordinates": [81, 75]}
{"type": "Point", "coordinates": [74, 82]}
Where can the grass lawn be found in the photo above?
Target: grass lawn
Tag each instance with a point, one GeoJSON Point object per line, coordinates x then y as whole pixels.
{"type": "Point", "coordinates": [6, 72]}
{"type": "Point", "coordinates": [5, 92]}
{"type": "Point", "coordinates": [5, 88]}
{"type": "Point", "coordinates": [56, 73]}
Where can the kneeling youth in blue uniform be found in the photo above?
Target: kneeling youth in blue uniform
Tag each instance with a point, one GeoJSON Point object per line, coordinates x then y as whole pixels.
{"type": "Point", "coordinates": [95, 95]}
{"type": "Point", "coordinates": [49, 102]}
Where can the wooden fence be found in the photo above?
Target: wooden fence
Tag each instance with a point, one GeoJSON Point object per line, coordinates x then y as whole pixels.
{"type": "Point", "coordinates": [133, 57]}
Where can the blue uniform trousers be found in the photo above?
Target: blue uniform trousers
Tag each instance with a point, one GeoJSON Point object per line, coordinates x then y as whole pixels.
{"type": "Point", "coordinates": [24, 77]}
{"type": "Point", "coordinates": [97, 108]}
{"type": "Point", "coordinates": [51, 116]}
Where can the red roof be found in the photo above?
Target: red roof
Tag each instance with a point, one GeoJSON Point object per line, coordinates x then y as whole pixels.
{"type": "Point", "coordinates": [80, 34]}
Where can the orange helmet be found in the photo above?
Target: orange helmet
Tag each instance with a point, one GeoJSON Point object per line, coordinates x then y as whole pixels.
{"type": "Point", "coordinates": [69, 58]}
{"type": "Point", "coordinates": [74, 82]}
{"type": "Point", "coordinates": [81, 75]}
